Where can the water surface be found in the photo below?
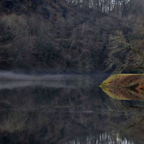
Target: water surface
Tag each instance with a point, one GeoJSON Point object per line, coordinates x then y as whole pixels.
{"type": "Point", "coordinates": [65, 109]}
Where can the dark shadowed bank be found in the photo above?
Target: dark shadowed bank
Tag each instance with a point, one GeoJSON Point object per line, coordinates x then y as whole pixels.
{"type": "Point", "coordinates": [71, 36]}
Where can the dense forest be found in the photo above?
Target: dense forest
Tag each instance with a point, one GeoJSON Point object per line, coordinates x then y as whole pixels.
{"type": "Point", "coordinates": [72, 35]}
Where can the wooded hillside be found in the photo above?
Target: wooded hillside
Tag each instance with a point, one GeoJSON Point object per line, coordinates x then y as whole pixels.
{"type": "Point", "coordinates": [71, 35]}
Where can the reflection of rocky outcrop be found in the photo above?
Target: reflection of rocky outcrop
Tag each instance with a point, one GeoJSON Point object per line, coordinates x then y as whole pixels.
{"type": "Point", "coordinates": [124, 93]}
{"type": "Point", "coordinates": [130, 89]}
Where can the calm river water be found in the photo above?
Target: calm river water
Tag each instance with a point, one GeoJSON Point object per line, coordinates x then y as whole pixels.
{"type": "Point", "coordinates": [65, 109]}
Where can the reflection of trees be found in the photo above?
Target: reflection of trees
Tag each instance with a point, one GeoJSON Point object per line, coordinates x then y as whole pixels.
{"type": "Point", "coordinates": [50, 115]}
{"type": "Point", "coordinates": [103, 138]}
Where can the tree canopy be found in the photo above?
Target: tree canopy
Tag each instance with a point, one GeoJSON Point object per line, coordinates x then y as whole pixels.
{"type": "Point", "coordinates": [72, 35]}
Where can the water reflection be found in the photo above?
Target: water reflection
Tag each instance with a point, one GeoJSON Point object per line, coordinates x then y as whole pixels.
{"type": "Point", "coordinates": [125, 93]}
{"type": "Point", "coordinates": [66, 110]}
{"type": "Point", "coordinates": [104, 138]}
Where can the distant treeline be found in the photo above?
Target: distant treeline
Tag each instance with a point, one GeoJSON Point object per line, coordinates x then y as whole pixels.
{"type": "Point", "coordinates": [71, 35]}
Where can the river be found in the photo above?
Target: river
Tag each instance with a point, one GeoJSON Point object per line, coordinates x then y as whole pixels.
{"type": "Point", "coordinates": [65, 109]}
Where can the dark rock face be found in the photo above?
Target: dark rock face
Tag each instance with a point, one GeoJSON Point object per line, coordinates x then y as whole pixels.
{"type": "Point", "coordinates": [9, 4]}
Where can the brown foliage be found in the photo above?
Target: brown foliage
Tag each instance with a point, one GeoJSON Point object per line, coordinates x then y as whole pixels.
{"type": "Point", "coordinates": [66, 36]}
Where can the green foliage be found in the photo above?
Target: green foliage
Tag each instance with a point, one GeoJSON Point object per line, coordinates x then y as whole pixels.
{"type": "Point", "coordinates": [122, 55]}
{"type": "Point", "coordinates": [118, 50]}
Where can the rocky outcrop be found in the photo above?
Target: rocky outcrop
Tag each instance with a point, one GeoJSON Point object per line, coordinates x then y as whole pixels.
{"type": "Point", "coordinates": [132, 81]}
{"type": "Point", "coordinates": [124, 86]}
